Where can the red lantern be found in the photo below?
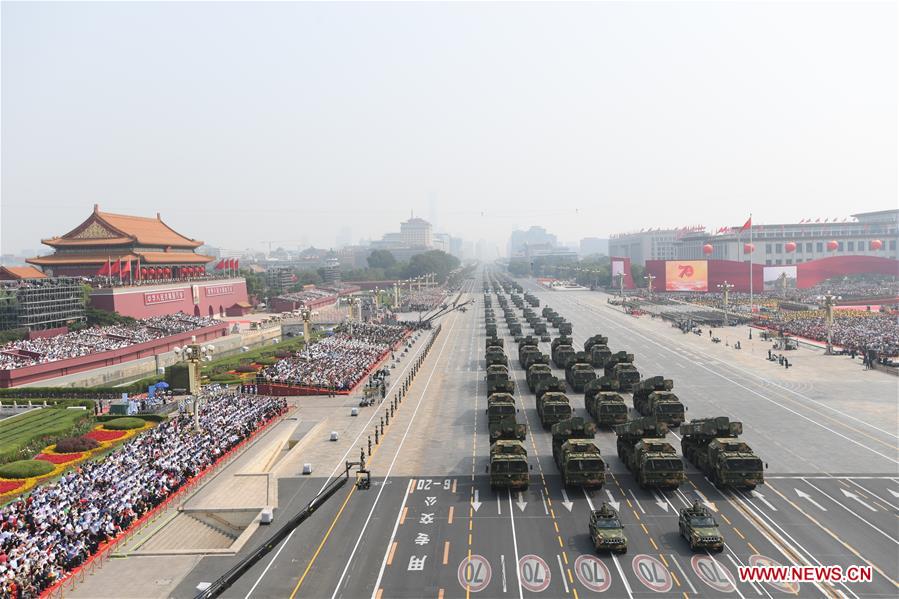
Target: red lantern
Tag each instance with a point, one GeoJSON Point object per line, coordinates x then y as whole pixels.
{"type": "Point", "coordinates": [790, 246]}
{"type": "Point", "coordinates": [748, 248]}
{"type": "Point", "coordinates": [876, 244]}
{"type": "Point", "coordinates": [832, 245]}
{"type": "Point", "coordinates": [707, 249]}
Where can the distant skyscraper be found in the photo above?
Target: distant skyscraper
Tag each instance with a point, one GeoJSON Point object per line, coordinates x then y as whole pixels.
{"type": "Point", "coordinates": [535, 236]}
{"type": "Point", "coordinates": [593, 245]}
{"type": "Point", "coordinates": [416, 233]}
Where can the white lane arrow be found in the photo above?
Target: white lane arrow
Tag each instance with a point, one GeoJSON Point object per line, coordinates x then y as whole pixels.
{"type": "Point", "coordinates": [612, 502]}
{"type": "Point", "coordinates": [893, 493]}
{"type": "Point", "coordinates": [855, 497]}
{"type": "Point", "coordinates": [705, 500]}
{"type": "Point", "coordinates": [809, 498]}
{"type": "Point", "coordinates": [567, 503]}
{"type": "Point", "coordinates": [521, 502]}
{"type": "Point", "coordinates": [761, 498]}
{"type": "Point", "coordinates": [660, 501]}
{"type": "Point", "coordinates": [475, 504]}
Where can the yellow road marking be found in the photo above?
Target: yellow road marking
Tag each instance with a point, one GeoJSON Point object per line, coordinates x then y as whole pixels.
{"type": "Point", "coordinates": [751, 546]}
{"type": "Point", "coordinates": [378, 595]}
{"type": "Point", "coordinates": [445, 554]}
{"type": "Point", "coordinates": [412, 487]}
{"type": "Point", "coordinates": [439, 593]}
{"type": "Point", "coordinates": [454, 490]}
{"type": "Point", "coordinates": [740, 534]}
{"type": "Point", "coordinates": [450, 518]}
{"type": "Point", "coordinates": [674, 576]}
{"type": "Point", "coordinates": [643, 526]}
{"type": "Point", "coordinates": [556, 525]}
{"type": "Point", "coordinates": [565, 557]}
{"type": "Point", "coordinates": [570, 577]}
{"type": "Point", "coordinates": [403, 517]}
{"type": "Point", "coordinates": [636, 515]}
{"type": "Point", "coordinates": [560, 541]}
{"type": "Point", "coordinates": [392, 551]}
{"type": "Point", "coordinates": [654, 546]}
{"type": "Point", "coordinates": [664, 561]}
{"type": "Point", "coordinates": [723, 517]}
{"type": "Point", "coordinates": [574, 590]}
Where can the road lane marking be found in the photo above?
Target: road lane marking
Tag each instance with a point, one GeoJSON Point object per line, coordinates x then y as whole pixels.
{"type": "Point", "coordinates": [640, 507]}
{"type": "Point", "coordinates": [446, 547]}
{"type": "Point", "coordinates": [392, 552]}
{"type": "Point", "coordinates": [627, 586]}
{"type": "Point", "coordinates": [403, 517]}
{"type": "Point", "coordinates": [682, 573]}
{"type": "Point", "coordinates": [562, 572]}
{"type": "Point", "coordinates": [515, 546]}
{"type": "Point", "coordinates": [449, 519]}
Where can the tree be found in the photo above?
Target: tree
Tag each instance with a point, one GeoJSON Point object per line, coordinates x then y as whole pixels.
{"type": "Point", "coordinates": [436, 261]}
{"type": "Point", "coordinates": [381, 259]}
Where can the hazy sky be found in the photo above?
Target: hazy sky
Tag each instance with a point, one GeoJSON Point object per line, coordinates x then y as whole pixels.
{"type": "Point", "coordinates": [244, 123]}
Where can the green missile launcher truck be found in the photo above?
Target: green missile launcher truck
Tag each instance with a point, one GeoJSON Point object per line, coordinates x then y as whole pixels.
{"type": "Point", "coordinates": [653, 461]}
{"type": "Point", "coordinates": [653, 397]}
{"type": "Point", "coordinates": [711, 444]}
{"type": "Point", "coordinates": [604, 403]}
{"type": "Point", "coordinates": [575, 454]}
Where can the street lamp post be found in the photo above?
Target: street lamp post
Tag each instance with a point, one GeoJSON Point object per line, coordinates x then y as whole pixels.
{"type": "Point", "coordinates": [829, 302]}
{"type": "Point", "coordinates": [195, 354]}
{"type": "Point", "coordinates": [307, 315]}
{"type": "Point", "coordinates": [725, 287]}
{"type": "Point", "coordinates": [649, 279]}
{"type": "Point", "coordinates": [621, 284]}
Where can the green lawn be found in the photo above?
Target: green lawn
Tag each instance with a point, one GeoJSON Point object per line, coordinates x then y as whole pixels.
{"type": "Point", "coordinates": [18, 432]}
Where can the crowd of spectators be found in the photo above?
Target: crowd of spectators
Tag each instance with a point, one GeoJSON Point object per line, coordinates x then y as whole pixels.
{"type": "Point", "coordinates": [28, 352]}
{"type": "Point", "coordinates": [857, 330]}
{"type": "Point", "coordinates": [422, 300]}
{"type": "Point", "coordinates": [337, 362]}
{"type": "Point", "coordinates": [57, 526]}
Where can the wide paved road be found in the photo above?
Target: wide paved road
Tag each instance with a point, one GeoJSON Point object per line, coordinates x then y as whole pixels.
{"type": "Point", "coordinates": [431, 527]}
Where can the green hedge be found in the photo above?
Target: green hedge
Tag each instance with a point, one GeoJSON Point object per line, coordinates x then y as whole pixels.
{"type": "Point", "coordinates": [25, 435]}
{"type": "Point", "coordinates": [103, 418]}
{"type": "Point", "coordinates": [26, 469]}
{"type": "Point", "coordinates": [124, 424]}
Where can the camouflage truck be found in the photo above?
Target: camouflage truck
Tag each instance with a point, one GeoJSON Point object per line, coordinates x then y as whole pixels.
{"type": "Point", "coordinates": [547, 311]}
{"type": "Point", "coordinates": [493, 341]}
{"type": "Point", "coordinates": [606, 530]}
{"type": "Point", "coordinates": [600, 355]}
{"type": "Point", "coordinates": [698, 527]}
{"type": "Point", "coordinates": [653, 461]}
{"type": "Point", "coordinates": [565, 328]}
{"type": "Point", "coordinates": [653, 397]}
{"type": "Point", "coordinates": [604, 403]}
{"type": "Point", "coordinates": [555, 319]}
{"type": "Point", "coordinates": [553, 407]}
{"type": "Point", "coordinates": [490, 329]}
{"type": "Point", "coordinates": [563, 355]}
{"type": "Point", "coordinates": [515, 330]}
{"type": "Point", "coordinates": [595, 340]}
{"type": "Point", "coordinates": [508, 468]}
{"type": "Point", "coordinates": [711, 444]}
{"type": "Point", "coordinates": [531, 299]}
{"type": "Point", "coordinates": [498, 380]}
{"type": "Point", "coordinates": [620, 366]}
{"type": "Point", "coordinates": [501, 421]}
{"type": "Point", "coordinates": [536, 374]}
{"type": "Point", "coordinates": [528, 340]}
{"type": "Point", "coordinates": [539, 328]}
{"type": "Point", "coordinates": [551, 384]}
{"type": "Point", "coordinates": [537, 357]}
{"type": "Point", "coordinates": [576, 456]}
{"type": "Point", "coordinates": [496, 355]}
{"type": "Point", "coordinates": [529, 354]}
{"type": "Point", "coordinates": [579, 372]}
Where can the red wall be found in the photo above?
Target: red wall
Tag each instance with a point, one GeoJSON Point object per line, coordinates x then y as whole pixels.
{"type": "Point", "coordinates": [808, 274]}
{"type": "Point", "coordinates": [628, 279]}
{"type": "Point", "coordinates": [39, 372]}
{"type": "Point", "coordinates": [159, 299]}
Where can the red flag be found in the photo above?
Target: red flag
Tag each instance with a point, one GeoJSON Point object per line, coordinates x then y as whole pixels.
{"type": "Point", "coordinates": [104, 270]}
{"type": "Point", "coordinates": [115, 268]}
{"type": "Point", "coordinates": [236, 264]}
{"type": "Point", "coordinates": [125, 268]}
{"type": "Point", "coordinates": [220, 265]}
{"type": "Point", "coordinates": [746, 225]}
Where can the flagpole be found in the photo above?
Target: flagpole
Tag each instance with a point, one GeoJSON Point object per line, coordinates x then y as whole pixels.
{"type": "Point", "coordinates": [751, 250]}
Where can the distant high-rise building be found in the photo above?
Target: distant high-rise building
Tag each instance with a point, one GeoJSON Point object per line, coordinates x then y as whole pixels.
{"type": "Point", "coordinates": [535, 236]}
{"type": "Point", "coordinates": [416, 233]}
{"type": "Point", "coordinates": [441, 241]}
{"type": "Point", "coordinates": [456, 247]}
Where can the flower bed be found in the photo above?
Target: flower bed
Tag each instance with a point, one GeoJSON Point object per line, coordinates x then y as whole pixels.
{"type": "Point", "coordinates": [59, 458]}
{"type": "Point", "coordinates": [104, 436]}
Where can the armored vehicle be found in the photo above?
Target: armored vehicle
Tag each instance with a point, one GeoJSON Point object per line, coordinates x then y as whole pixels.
{"type": "Point", "coordinates": [494, 342]}
{"type": "Point", "coordinates": [547, 311]}
{"type": "Point", "coordinates": [532, 300]}
{"type": "Point", "coordinates": [495, 355]}
{"type": "Point", "coordinates": [551, 384]}
{"type": "Point", "coordinates": [537, 357]}
{"type": "Point", "coordinates": [539, 328]}
{"type": "Point", "coordinates": [565, 328]}
{"type": "Point", "coordinates": [563, 355]}
{"type": "Point", "coordinates": [576, 456]}
{"type": "Point", "coordinates": [527, 355]}
{"type": "Point", "coordinates": [600, 355]}
{"type": "Point", "coordinates": [490, 330]}
{"type": "Point", "coordinates": [711, 444]}
{"type": "Point", "coordinates": [538, 373]}
{"type": "Point", "coordinates": [653, 461]}
{"type": "Point", "coordinates": [653, 397]}
{"type": "Point", "coordinates": [579, 372]}
{"type": "Point", "coordinates": [606, 530]}
{"type": "Point", "coordinates": [699, 528]}
{"type": "Point", "coordinates": [529, 340]}
{"type": "Point", "coordinates": [507, 428]}
{"type": "Point", "coordinates": [555, 319]}
{"type": "Point", "coordinates": [498, 380]}
{"type": "Point", "coordinates": [552, 407]}
{"type": "Point", "coordinates": [620, 366]}
{"type": "Point", "coordinates": [604, 403]}
{"type": "Point", "coordinates": [595, 340]}
{"type": "Point", "coordinates": [515, 331]}
{"type": "Point", "coordinates": [508, 468]}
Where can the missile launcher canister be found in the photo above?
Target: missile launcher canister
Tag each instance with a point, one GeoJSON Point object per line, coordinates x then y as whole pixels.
{"type": "Point", "coordinates": [711, 444]}
{"type": "Point", "coordinates": [595, 340]}
{"type": "Point", "coordinates": [653, 461]}
{"type": "Point", "coordinates": [563, 355]}
{"type": "Point", "coordinates": [575, 454]}
{"type": "Point", "coordinates": [551, 384]}
{"type": "Point", "coordinates": [494, 341]}
{"type": "Point", "coordinates": [498, 380]}
{"type": "Point", "coordinates": [653, 397]}
{"type": "Point", "coordinates": [579, 372]}
{"type": "Point", "coordinates": [604, 403]}
{"type": "Point", "coordinates": [620, 366]}
{"type": "Point", "coordinates": [495, 355]}
{"type": "Point", "coordinates": [565, 328]}
{"type": "Point", "coordinates": [537, 357]}
{"type": "Point", "coordinates": [553, 407]}
{"type": "Point", "coordinates": [536, 373]}
{"type": "Point", "coordinates": [508, 468]}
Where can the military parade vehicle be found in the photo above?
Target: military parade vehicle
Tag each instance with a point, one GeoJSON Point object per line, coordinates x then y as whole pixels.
{"type": "Point", "coordinates": [536, 373]}
{"type": "Point", "coordinates": [555, 319]}
{"type": "Point", "coordinates": [501, 420]}
{"type": "Point", "coordinates": [508, 468]}
{"type": "Point", "coordinates": [579, 372]}
{"type": "Point", "coordinates": [540, 328]}
{"type": "Point", "coordinates": [495, 355]}
{"type": "Point", "coordinates": [552, 407]}
{"type": "Point", "coordinates": [653, 397]}
{"type": "Point", "coordinates": [595, 340]}
{"type": "Point", "coordinates": [537, 357]}
{"type": "Point", "coordinates": [493, 341]}
{"type": "Point", "coordinates": [532, 300]}
{"type": "Point", "coordinates": [525, 346]}
{"type": "Point", "coordinates": [699, 528]}
{"type": "Point", "coordinates": [491, 330]}
{"type": "Point", "coordinates": [711, 444]}
{"type": "Point", "coordinates": [515, 331]}
{"type": "Point", "coordinates": [498, 380]}
{"type": "Point", "coordinates": [565, 328]}
{"type": "Point", "coordinates": [620, 366]}
{"type": "Point", "coordinates": [653, 461]}
{"type": "Point", "coordinates": [600, 355]}
{"type": "Point", "coordinates": [549, 384]}
{"type": "Point", "coordinates": [576, 456]}
{"type": "Point", "coordinates": [563, 355]}
{"type": "Point", "coordinates": [604, 403]}
{"type": "Point", "coordinates": [606, 530]}
{"type": "Point", "coordinates": [547, 311]}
